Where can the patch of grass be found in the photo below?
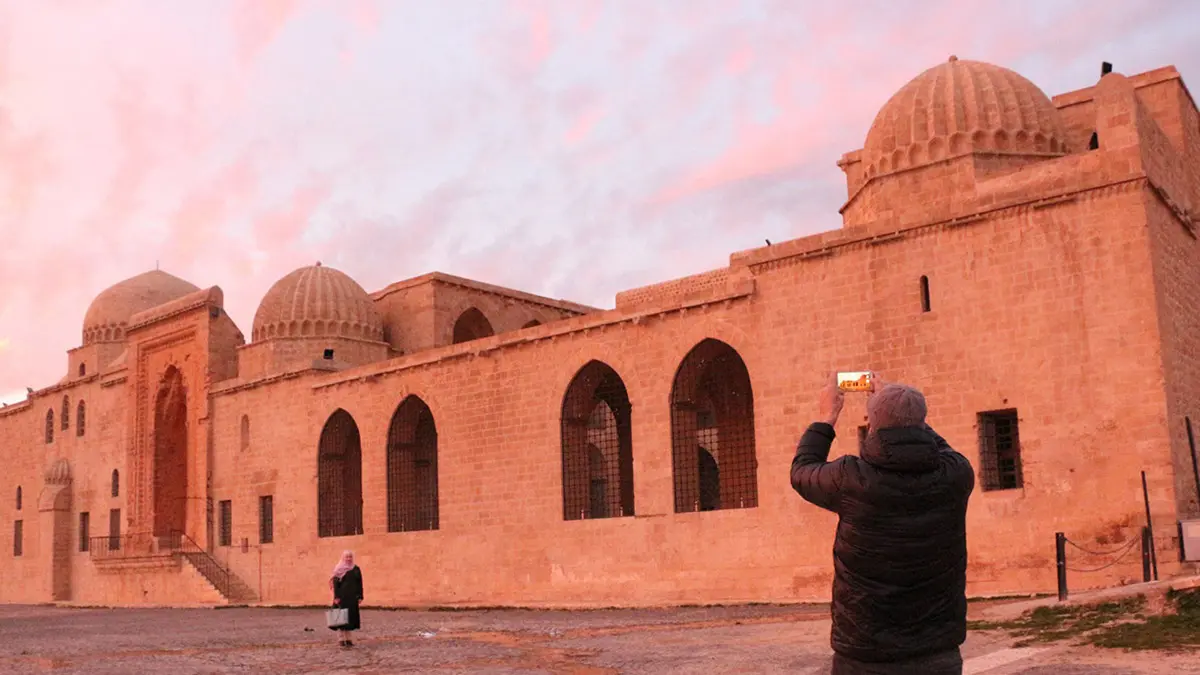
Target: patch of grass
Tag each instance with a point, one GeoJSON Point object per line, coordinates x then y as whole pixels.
{"type": "Point", "coordinates": [1051, 624]}
{"type": "Point", "coordinates": [1121, 624]}
{"type": "Point", "coordinates": [1180, 630]}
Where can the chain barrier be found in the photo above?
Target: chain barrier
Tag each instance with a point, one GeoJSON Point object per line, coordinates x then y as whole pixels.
{"type": "Point", "coordinates": [1119, 552]}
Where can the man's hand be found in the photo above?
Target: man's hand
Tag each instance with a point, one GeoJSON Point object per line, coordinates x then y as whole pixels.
{"type": "Point", "coordinates": [832, 399]}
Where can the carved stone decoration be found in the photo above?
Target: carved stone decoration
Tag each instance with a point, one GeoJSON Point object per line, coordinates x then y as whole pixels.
{"type": "Point", "coordinates": [59, 473]}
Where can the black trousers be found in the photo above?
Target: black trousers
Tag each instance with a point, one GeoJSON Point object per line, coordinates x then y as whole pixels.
{"type": "Point", "coordinates": [943, 663]}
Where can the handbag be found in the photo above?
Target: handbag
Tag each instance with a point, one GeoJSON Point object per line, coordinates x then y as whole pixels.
{"type": "Point", "coordinates": [337, 617]}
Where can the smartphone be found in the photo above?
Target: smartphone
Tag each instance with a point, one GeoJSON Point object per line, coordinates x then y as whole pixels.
{"type": "Point", "coordinates": [856, 381]}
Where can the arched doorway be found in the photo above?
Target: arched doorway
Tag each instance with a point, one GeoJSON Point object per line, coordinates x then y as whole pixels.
{"type": "Point", "coordinates": [170, 454]}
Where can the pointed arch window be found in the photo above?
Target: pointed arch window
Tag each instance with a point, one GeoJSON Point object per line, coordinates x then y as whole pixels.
{"type": "Point", "coordinates": [597, 445]}
{"type": "Point", "coordinates": [714, 461]}
{"type": "Point", "coordinates": [80, 419]}
{"type": "Point", "coordinates": [245, 433]}
{"type": "Point", "coordinates": [412, 478]}
{"type": "Point", "coordinates": [339, 477]}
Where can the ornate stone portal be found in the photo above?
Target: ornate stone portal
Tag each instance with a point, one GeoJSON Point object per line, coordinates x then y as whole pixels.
{"type": "Point", "coordinates": [170, 455]}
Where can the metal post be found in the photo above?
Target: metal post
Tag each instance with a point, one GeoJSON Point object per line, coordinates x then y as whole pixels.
{"type": "Point", "coordinates": [1195, 460]}
{"type": "Point", "coordinates": [1060, 554]}
{"type": "Point", "coordinates": [1150, 526]}
{"type": "Point", "coordinates": [1146, 545]}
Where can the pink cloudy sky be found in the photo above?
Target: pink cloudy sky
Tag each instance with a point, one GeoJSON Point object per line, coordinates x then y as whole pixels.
{"type": "Point", "coordinates": [571, 148]}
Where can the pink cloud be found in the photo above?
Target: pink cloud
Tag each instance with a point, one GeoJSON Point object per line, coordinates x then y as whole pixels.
{"type": "Point", "coordinates": [202, 212]}
{"type": "Point", "coordinates": [163, 134]}
{"type": "Point", "coordinates": [365, 15]}
{"type": "Point", "coordinates": [257, 22]}
{"type": "Point", "coordinates": [540, 47]}
{"type": "Point", "coordinates": [284, 226]}
{"type": "Point", "coordinates": [584, 123]}
{"type": "Point", "coordinates": [587, 14]}
{"type": "Point", "coordinates": [27, 161]}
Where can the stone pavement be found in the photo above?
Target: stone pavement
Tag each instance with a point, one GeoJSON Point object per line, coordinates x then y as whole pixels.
{"type": "Point", "coordinates": [755, 639]}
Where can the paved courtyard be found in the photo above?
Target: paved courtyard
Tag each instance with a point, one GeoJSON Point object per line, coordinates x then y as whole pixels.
{"type": "Point", "coordinates": [691, 640]}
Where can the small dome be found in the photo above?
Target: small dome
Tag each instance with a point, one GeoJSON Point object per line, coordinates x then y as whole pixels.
{"type": "Point", "coordinates": [960, 107]}
{"type": "Point", "coordinates": [317, 301]}
{"type": "Point", "coordinates": [108, 315]}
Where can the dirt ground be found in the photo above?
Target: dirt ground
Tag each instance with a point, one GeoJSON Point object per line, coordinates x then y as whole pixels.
{"type": "Point", "coordinates": [691, 640]}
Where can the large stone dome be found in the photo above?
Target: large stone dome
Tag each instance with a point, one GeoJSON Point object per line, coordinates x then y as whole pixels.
{"type": "Point", "coordinates": [959, 107]}
{"type": "Point", "coordinates": [108, 316]}
{"type": "Point", "coordinates": [317, 301]}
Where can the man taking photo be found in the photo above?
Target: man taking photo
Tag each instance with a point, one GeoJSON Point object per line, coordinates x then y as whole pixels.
{"type": "Point", "coordinates": [900, 554]}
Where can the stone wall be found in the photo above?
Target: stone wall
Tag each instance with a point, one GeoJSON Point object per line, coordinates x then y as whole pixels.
{"type": "Point", "coordinates": [1064, 290]}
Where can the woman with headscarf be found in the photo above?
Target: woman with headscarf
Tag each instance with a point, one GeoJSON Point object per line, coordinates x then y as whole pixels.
{"type": "Point", "coordinates": [347, 586]}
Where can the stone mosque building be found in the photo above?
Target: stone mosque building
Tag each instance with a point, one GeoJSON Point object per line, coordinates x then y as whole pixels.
{"type": "Point", "coordinates": [1029, 262]}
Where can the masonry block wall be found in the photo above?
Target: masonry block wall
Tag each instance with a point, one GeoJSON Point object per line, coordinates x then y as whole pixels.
{"type": "Point", "coordinates": [1172, 207]}
{"type": "Point", "coordinates": [421, 313]}
{"type": "Point", "coordinates": [1015, 275]}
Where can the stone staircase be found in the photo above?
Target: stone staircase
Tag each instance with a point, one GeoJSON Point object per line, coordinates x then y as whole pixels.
{"type": "Point", "coordinates": [228, 584]}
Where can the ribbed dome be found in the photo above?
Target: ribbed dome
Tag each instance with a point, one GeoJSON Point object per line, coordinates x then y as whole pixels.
{"type": "Point", "coordinates": [960, 107]}
{"type": "Point", "coordinates": [58, 473]}
{"type": "Point", "coordinates": [108, 316]}
{"type": "Point", "coordinates": [317, 301]}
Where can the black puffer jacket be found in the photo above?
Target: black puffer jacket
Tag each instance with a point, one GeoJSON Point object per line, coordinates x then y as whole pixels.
{"type": "Point", "coordinates": [900, 556]}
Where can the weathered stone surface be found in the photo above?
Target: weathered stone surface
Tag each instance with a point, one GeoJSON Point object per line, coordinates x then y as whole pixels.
{"type": "Point", "coordinates": [1060, 284]}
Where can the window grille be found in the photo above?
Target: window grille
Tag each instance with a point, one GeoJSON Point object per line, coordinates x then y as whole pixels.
{"type": "Point", "coordinates": [925, 294]}
{"type": "Point", "coordinates": [66, 413]}
{"type": "Point", "coordinates": [714, 462]}
{"type": "Point", "coordinates": [266, 519]}
{"type": "Point", "coordinates": [80, 419]}
{"type": "Point", "coordinates": [339, 478]}
{"type": "Point", "coordinates": [412, 468]}
{"type": "Point", "coordinates": [49, 426]}
{"type": "Point", "coordinates": [116, 483]}
{"type": "Point", "coordinates": [1000, 450]}
{"type": "Point", "coordinates": [226, 515]}
{"type": "Point", "coordinates": [85, 526]}
{"type": "Point", "coordinates": [597, 445]}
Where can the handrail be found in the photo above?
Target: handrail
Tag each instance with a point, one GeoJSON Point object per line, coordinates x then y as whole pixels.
{"type": "Point", "coordinates": [127, 547]}
{"type": "Point", "coordinates": [204, 563]}
{"type": "Point", "coordinates": [145, 546]}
